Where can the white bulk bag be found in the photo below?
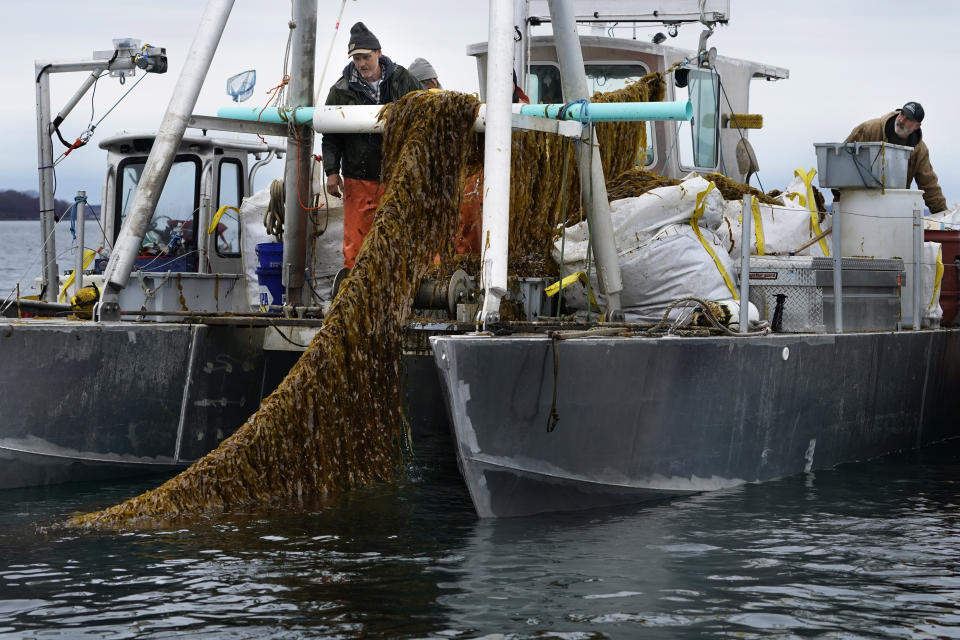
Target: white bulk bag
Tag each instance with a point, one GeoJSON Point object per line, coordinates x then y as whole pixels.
{"type": "Point", "coordinates": [931, 274]}
{"type": "Point", "coordinates": [670, 265]}
{"type": "Point", "coordinates": [252, 233]}
{"type": "Point", "coordinates": [777, 229]}
{"type": "Point", "coordinates": [637, 219]}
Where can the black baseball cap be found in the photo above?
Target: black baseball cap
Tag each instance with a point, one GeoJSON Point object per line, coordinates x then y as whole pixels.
{"type": "Point", "coordinates": [913, 110]}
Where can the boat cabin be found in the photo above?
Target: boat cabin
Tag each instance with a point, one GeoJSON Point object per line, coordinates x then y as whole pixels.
{"type": "Point", "coordinates": [207, 174]}
{"type": "Point", "coordinates": [717, 87]}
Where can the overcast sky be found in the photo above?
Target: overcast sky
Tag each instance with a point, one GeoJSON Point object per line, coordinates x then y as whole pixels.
{"type": "Point", "coordinates": [849, 60]}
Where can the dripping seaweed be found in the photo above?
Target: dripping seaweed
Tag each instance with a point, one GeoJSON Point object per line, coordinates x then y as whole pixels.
{"type": "Point", "coordinates": [321, 432]}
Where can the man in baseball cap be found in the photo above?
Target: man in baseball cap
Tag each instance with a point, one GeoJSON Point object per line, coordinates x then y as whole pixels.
{"type": "Point", "coordinates": [902, 126]}
{"type": "Point", "coordinates": [370, 78]}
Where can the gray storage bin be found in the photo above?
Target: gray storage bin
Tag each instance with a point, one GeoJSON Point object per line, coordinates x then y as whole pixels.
{"type": "Point", "coordinates": [863, 165]}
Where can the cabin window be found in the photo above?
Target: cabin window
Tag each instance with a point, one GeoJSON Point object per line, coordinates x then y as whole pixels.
{"type": "Point", "coordinates": [699, 140]}
{"type": "Point", "coordinates": [545, 88]}
{"type": "Point", "coordinates": [229, 193]}
{"type": "Point", "coordinates": [171, 229]}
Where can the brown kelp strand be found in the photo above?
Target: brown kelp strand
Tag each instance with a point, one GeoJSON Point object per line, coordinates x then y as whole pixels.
{"type": "Point", "coordinates": [635, 182]}
{"type": "Point", "coordinates": [733, 190]}
{"type": "Point", "coordinates": [539, 200]}
{"type": "Point", "coordinates": [336, 420]}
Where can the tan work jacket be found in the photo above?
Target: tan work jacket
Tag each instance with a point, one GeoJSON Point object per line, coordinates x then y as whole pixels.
{"type": "Point", "coordinates": [918, 165]}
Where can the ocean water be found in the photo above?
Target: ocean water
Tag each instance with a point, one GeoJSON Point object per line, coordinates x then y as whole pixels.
{"type": "Point", "coordinates": [20, 260]}
{"type": "Point", "coordinates": [868, 550]}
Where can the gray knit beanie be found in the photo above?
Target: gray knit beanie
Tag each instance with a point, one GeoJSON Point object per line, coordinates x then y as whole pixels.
{"type": "Point", "coordinates": [423, 70]}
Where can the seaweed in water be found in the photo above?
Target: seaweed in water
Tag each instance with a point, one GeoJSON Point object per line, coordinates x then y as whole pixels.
{"type": "Point", "coordinates": [322, 431]}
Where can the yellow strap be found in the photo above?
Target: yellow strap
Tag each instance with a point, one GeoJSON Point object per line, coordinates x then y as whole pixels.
{"type": "Point", "coordinates": [798, 197]}
{"type": "Point", "coordinates": [758, 226]}
{"type": "Point", "coordinates": [937, 278]}
{"type": "Point", "coordinates": [216, 218]}
{"type": "Point", "coordinates": [807, 178]}
{"type": "Point", "coordinates": [554, 288]}
{"type": "Point", "coordinates": [88, 256]}
{"type": "Point", "coordinates": [697, 213]}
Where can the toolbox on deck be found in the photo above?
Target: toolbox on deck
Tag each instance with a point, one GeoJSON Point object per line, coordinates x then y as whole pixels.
{"type": "Point", "coordinates": [871, 292]}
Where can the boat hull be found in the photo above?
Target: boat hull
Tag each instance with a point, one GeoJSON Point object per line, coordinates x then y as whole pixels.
{"type": "Point", "coordinates": [643, 419]}
{"type": "Point", "coordinates": [84, 401]}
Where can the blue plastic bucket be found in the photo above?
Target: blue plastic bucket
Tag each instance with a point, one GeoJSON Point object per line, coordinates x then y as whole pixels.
{"type": "Point", "coordinates": [269, 273]}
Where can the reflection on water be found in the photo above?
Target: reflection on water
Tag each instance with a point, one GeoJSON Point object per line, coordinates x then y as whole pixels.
{"type": "Point", "coordinates": [868, 550]}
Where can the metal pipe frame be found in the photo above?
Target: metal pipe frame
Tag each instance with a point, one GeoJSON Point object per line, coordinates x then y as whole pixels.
{"type": "Point", "coordinates": [917, 267]}
{"type": "Point", "coordinates": [745, 232]}
{"type": "Point", "coordinates": [837, 273]}
{"type": "Point", "coordinates": [81, 232]}
{"type": "Point", "coordinates": [297, 171]}
{"type": "Point", "coordinates": [592, 185]}
{"type": "Point", "coordinates": [42, 71]}
{"type": "Point", "coordinates": [48, 245]}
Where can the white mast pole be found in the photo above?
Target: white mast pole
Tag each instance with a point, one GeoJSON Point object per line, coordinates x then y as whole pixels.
{"type": "Point", "coordinates": [496, 159]}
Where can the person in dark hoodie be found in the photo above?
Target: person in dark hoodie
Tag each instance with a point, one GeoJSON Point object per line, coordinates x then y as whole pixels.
{"type": "Point", "coordinates": [903, 127]}
{"type": "Point", "coordinates": [371, 78]}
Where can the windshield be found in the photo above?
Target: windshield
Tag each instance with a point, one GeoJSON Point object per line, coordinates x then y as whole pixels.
{"type": "Point", "coordinates": [171, 229]}
{"type": "Point", "coordinates": [545, 88]}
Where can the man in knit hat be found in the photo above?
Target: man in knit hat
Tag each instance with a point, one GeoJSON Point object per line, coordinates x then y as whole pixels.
{"type": "Point", "coordinates": [425, 73]}
{"type": "Point", "coordinates": [351, 161]}
{"type": "Point", "coordinates": [902, 127]}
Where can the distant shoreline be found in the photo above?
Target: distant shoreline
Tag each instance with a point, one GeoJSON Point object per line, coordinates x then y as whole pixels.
{"type": "Point", "coordinates": [25, 205]}
{"type": "Point", "coordinates": [16, 217]}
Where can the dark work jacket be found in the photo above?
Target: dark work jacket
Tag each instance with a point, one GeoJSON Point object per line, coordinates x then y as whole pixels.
{"type": "Point", "coordinates": [357, 155]}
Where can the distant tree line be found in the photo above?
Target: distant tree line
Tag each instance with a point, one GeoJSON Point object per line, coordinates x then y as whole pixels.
{"type": "Point", "coordinates": [17, 205]}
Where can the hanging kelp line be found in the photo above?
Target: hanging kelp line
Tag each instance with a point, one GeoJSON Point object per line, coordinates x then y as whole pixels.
{"type": "Point", "coordinates": [545, 182]}
{"type": "Point", "coordinates": [336, 421]}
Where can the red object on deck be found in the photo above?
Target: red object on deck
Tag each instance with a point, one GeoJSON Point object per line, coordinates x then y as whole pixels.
{"type": "Point", "coordinates": [949, 285]}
